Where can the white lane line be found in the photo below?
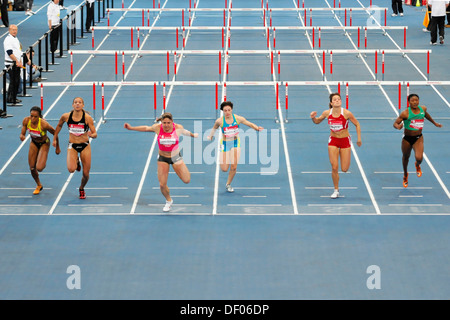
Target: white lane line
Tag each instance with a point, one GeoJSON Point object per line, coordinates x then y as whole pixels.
{"type": "Point", "coordinates": [340, 196]}
{"type": "Point", "coordinates": [198, 172]}
{"type": "Point", "coordinates": [22, 188]}
{"type": "Point", "coordinates": [106, 188]}
{"type": "Point", "coordinates": [420, 196]}
{"type": "Point", "coordinates": [96, 205]}
{"type": "Point", "coordinates": [98, 196]}
{"type": "Point", "coordinates": [40, 173]}
{"type": "Point", "coordinates": [329, 172]}
{"type": "Point", "coordinates": [415, 205]}
{"type": "Point", "coordinates": [20, 196]}
{"type": "Point", "coordinates": [182, 188]}
{"type": "Point", "coordinates": [257, 172]}
{"type": "Point", "coordinates": [257, 188]}
{"type": "Point", "coordinates": [331, 188]}
{"type": "Point", "coordinates": [254, 196]}
{"type": "Point", "coordinates": [334, 205]}
{"type": "Point", "coordinates": [111, 172]}
{"type": "Point", "coordinates": [20, 205]}
{"type": "Point", "coordinates": [253, 205]}
{"type": "Point", "coordinates": [177, 205]}
{"type": "Point", "coordinates": [416, 188]}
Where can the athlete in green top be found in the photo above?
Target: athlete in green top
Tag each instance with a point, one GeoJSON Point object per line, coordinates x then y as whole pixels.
{"type": "Point", "coordinates": [412, 119]}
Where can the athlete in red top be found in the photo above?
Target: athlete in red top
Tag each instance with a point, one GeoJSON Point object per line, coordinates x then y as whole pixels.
{"type": "Point", "coordinates": [339, 142]}
{"type": "Point", "coordinates": [169, 154]}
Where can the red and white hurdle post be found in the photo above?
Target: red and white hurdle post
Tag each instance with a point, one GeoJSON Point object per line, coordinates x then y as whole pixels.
{"type": "Point", "coordinates": [93, 97]}
{"type": "Point", "coordinates": [103, 101]}
{"type": "Point", "coordinates": [154, 100]}
{"type": "Point", "coordinates": [287, 102]}
{"type": "Point", "coordinates": [346, 95]}
{"type": "Point", "coordinates": [407, 95]}
{"type": "Point", "coordinates": [71, 66]}
{"type": "Point", "coordinates": [279, 65]}
{"type": "Point", "coordinates": [167, 65]}
{"type": "Point", "coordinates": [164, 97]}
{"type": "Point", "coordinates": [123, 66]}
{"type": "Point", "coordinates": [115, 56]}
{"type": "Point", "coordinates": [331, 64]}
{"type": "Point", "coordinates": [42, 97]}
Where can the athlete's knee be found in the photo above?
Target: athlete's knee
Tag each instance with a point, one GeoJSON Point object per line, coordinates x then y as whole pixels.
{"type": "Point", "coordinates": [233, 167]}
{"type": "Point", "coordinates": [40, 168]}
{"type": "Point", "coordinates": [162, 186]}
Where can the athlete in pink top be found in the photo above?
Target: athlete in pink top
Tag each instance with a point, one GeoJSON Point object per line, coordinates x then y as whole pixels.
{"type": "Point", "coordinates": [339, 142]}
{"type": "Point", "coordinates": [169, 154]}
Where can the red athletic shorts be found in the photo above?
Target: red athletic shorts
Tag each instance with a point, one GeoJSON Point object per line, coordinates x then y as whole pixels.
{"type": "Point", "coordinates": [339, 142]}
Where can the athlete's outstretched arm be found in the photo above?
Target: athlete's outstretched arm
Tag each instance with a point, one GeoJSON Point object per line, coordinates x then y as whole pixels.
{"type": "Point", "coordinates": [141, 128]}
{"type": "Point", "coordinates": [242, 120]}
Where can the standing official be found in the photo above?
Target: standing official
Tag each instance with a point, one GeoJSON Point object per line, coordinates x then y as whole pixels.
{"type": "Point", "coordinates": [13, 54]}
{"type": "Point", "coordinates": [53, 17]}
{"type": "Point", "coordinates": [4, 12]}
{"type": "Point", "coordinates": [89, 14]}
{"type": "Point", "coordinates": [438, 8]}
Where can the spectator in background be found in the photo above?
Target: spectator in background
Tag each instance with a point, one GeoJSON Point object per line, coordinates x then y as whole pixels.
{"type": "Point", "coordinates": [28, 5]}
{"type": "Point", "coordinates": [4, 13]}
{"type": "Point", "coordinates": [397, 7]}
{"type": "Point", "coordinates": [89, 14]}
{"type": "Point", "coordinates": [53, 17]}
{"type": "Point", "coordinates": [438, 9]}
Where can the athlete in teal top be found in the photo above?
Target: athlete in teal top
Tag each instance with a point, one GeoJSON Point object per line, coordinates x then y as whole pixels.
{"type": "Point", "coordinates": [230, 143]}
{"type": "Point", "coordinates": [412, 120]}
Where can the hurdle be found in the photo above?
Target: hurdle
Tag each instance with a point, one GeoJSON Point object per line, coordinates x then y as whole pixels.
{"type": "Point", "coordinates": [271, 53]}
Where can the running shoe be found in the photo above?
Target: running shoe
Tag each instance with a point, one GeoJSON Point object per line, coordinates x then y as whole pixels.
{"type": "Point", "coordinates": [229, 188]}
{"type": "Point", "coordinates": [82, 194]}
{"type": "Point", "coordinates": [335, 194]}
{"type": "Point", "coordinates": [38, 189]}
{"type": "Point", "coordinates": [78, 165]}
{"type": "Point", "coordinates": [394, 15]}
{"type": "Point", "coordinates": [168, 206]}
{"type": "Point", "coordinates": [401, 14]}
{"type": "Point", "coordinates": [405, 181]}
{"type": "Point", "coordinates": [441, 39]}
{"type": "Point", "coordinates": [418, 170]}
